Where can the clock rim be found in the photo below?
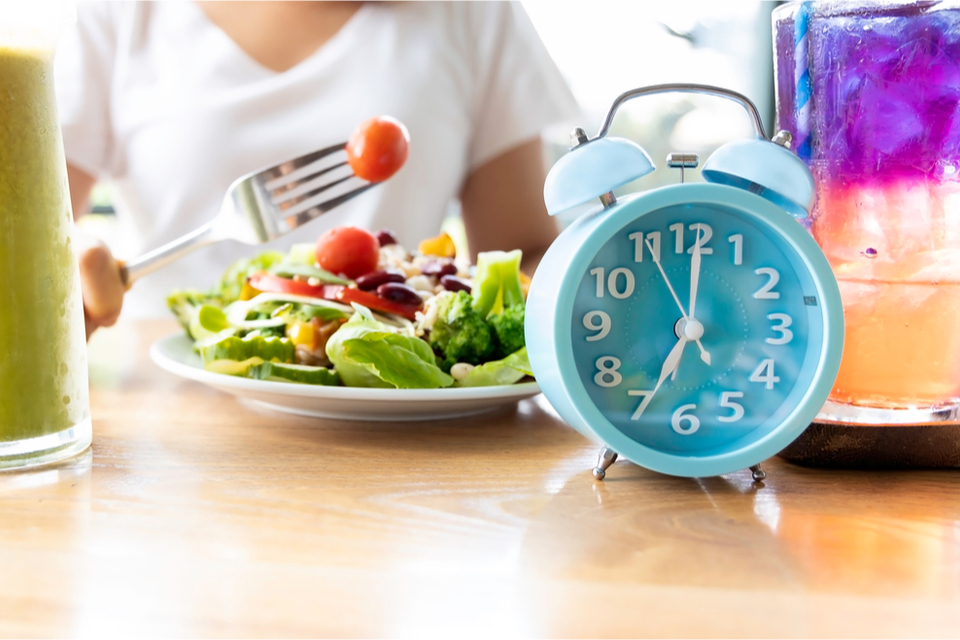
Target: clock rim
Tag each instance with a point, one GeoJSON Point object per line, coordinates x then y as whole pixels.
{"type": "Point", "coordinates": [763, 212]}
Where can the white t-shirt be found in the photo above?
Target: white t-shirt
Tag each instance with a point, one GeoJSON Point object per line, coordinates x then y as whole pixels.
{"type": "Point", "coordinates": [162, 102]}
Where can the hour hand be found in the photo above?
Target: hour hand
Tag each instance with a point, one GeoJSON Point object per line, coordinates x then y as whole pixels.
{"type": "Point", "coordinates": [669, 368]}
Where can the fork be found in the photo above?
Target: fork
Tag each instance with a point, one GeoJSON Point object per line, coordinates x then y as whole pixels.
{"type": "Point", "coordinates": [262, 206]}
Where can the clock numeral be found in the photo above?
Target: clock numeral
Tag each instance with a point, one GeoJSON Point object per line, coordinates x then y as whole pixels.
{"type": "Point", "coordinates": [766, 292]}
{"type": "Point", "coordinates": [703, 232]}
{"type": "Point", "coordinates": [764, 373]}
{"type": "Point", "coordinates": [646, 395]}
{"type": "Point", "coordinates": [628, 283]}
{"type": "Point", "coordinates": [679, 417]}
{"type": "Point", "coordinates": [598, 321]}
{"type": "Point", "coordinates": [607, 374]}
{"type": "Point", "coordinates": [613, 282]}
{"type": "Point", "coordinates": [785, 334]}
{"type": "Point", "coordinates": [727, 403]}
{"type": "Point", "coordinates": [678, 240]}
{"type": "Point", "coordinates": [639, 245]}
{"type": "Point", "coordinates": [686, 423]}
{"type": "Point", "coordinates": [737, 241]}
{"type": "Point", "coordinates": [598, 272]}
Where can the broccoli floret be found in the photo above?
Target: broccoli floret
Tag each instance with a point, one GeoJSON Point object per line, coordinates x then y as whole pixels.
{"type": "Point", "coordinates": [186, 306]}
{"type": "Point", "coordinates": [508, 328]}
{"type": "Point", "coordinates": [460, 334]}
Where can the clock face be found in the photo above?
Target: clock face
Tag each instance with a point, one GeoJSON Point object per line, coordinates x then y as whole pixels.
{"type": "Point", "coordinates": [708, 372]}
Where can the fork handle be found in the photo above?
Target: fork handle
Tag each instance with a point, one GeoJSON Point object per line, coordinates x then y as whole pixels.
{"type": "Point", "coordinates": [162, 256]}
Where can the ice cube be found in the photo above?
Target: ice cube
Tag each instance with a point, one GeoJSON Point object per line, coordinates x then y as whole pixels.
{"type": "Point", "coordinates": [886, 89]}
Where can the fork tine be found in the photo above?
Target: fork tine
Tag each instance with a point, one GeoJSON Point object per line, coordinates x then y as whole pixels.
{"type": "Point", "coordinates": [309, 200]}
{"type": "Point", "coordinates": [304, 166]}
{"type": "Point", "coordinates": [307, 187]}
{"type": "Point", "coordinates": [315, 207]}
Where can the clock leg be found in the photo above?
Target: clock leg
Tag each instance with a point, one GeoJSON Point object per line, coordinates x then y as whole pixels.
{"type": "Point", "coordinates": [607, 458]}
{"type": "Point", "coordinates": [758, 473]}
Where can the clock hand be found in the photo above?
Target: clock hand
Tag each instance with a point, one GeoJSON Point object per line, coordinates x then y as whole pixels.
{"type": "Point", "coordinates": [694, 274]}
{"type": "Point", "coordinates": [703, 352]}
{"type": "Point", "coordinates": [694, 284]}
{"type": "Point", "coordinates": [663, 273]}
{"type": "Point", "coordinates": [669, 368]}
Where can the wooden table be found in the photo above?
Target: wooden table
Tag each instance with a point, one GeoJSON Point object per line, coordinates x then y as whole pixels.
{"type": "Point", "coordinates": [194, 515]}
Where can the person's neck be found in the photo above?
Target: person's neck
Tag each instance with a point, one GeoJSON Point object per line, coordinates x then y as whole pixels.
{"type": "Point", "coordinates": [279, 35]}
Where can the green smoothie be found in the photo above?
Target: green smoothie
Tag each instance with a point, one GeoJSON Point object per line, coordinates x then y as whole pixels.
{"type": "Point", "coordinates": [43, 369]}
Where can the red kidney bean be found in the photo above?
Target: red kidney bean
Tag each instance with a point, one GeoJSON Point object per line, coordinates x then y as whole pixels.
{"type": "Point", "coordinates": [399, 293]}
{"type": "Point", "coordinates": [370, 281]}
{"type": "Point", "coordinates": [385, 237]}
{"type": "Point", "coordinates": [453, 283]}
{"type": "Point", "coordinates": [438, 268]}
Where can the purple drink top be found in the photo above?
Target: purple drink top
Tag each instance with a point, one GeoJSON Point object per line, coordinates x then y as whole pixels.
{"type": "Point", "coordinates": [884, 82]}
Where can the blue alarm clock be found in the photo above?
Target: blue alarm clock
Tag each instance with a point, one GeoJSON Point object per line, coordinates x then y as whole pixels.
{"type": "Point", "coordinates": [694, 329]}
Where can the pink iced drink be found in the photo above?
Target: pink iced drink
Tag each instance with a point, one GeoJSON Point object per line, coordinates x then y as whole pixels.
{"type": "Point", "coordinates": [884, 118]}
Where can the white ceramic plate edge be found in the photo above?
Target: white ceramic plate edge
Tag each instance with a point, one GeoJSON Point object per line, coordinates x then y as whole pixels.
{"type": "Point", "coordinates": [173, 353]}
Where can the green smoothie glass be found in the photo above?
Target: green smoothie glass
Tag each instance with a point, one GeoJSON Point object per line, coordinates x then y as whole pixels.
{"type": "Point", "coordinates": [44, 405]}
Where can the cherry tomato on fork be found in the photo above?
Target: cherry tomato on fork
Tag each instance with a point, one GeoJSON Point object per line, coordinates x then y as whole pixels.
{"type": "Point", "coordinates": [378, 148]}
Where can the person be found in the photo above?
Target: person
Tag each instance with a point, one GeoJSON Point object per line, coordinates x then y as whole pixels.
{"type": "Point", "coordinates": [172, 102]}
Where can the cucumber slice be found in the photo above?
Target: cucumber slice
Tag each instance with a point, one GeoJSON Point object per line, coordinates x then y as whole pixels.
{"type": "Point", "coordinates": [233, 367]}
{"type": "Point", "coordinates": [212, 319]}
{"type": "Point", "coordinates": [240, 349]}
{"type": "Point", "coordinates": [288, 270]}
{"type": "Point", "coordinates": [285, 372]}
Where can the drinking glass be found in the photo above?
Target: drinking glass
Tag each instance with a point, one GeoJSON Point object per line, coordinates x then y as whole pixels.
{"type": "Point", "coordinates": [44, 406]}
{"type": "Point", "coordinates": [871, 91]}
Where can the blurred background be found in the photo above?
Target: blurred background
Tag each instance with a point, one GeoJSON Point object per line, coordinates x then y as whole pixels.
{"type": "Point", "coordinates": [604, 48]}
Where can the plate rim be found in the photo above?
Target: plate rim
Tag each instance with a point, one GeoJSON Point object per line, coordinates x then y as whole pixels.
{"type": "Point", "coordinates": [168, 363]}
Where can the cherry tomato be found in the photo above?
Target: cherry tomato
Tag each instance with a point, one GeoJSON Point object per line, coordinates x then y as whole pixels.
{"type": "Point", "coordinates": [378, 148]}
{"type": "Point", "coordinates": [348, 250]}
{"type": "Point", "coordinates": [269, 283]}
{"type": "Point", "coordinates": [375, 302]}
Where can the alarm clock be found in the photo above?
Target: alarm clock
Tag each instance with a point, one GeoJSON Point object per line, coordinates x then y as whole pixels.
{"type": "Point", "coordinates": [694, 329]}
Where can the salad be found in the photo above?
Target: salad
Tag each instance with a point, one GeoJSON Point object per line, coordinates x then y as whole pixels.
{"type": "Point", "coordinates": [359, 310]}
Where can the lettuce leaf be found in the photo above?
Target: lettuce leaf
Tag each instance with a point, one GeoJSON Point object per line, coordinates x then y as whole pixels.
{"type": "Point", "coordinates": [511, 369]}
{"type": "Point", "coordinates": [186, 305]}
{"type": "Point", "coordinates": [231, 284]}
{"type": "Point", "coordinates": [368, 353]}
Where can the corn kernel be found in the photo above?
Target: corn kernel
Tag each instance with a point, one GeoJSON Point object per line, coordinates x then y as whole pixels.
{"type": "Point", "coordinates": [442, 246]}
{"type": "Point", "coordinates": [302, 334]}
{"type": "Point", "coordinates": [247, 292]}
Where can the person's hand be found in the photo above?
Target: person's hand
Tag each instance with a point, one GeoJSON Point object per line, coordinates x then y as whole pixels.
{"type": "Point", "coordinates": [100, 282]}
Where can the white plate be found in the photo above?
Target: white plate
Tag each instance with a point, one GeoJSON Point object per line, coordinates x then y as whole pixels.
{"type": "Point", "coordinates": [175, 354]}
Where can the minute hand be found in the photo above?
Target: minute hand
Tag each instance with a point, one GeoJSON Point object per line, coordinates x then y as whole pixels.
{"type": "Point", "coordinates": [694, 274]}
{"type": "Point", "coordinates": [703, 352]}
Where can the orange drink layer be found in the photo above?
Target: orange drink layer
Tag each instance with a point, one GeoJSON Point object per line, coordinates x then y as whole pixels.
{"type": "Point", "coordinates": [895, 249]}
